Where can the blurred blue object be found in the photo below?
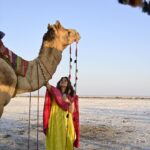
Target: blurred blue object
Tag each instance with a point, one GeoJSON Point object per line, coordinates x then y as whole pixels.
{"type": "Point", "coordinates": [2, 34]}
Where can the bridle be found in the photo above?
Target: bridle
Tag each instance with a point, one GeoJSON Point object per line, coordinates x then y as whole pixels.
{"type": "Point", "coordinates": [39, 62]}
{"type": "Point", "coordinates": [76, 66]}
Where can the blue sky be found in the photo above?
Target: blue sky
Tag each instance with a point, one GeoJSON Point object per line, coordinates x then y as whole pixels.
{"type": "Point", "coordinates": [113, 50]}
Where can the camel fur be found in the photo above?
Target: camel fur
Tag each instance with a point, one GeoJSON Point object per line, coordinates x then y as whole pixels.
{"type": "Point", "coordinates": [55, 40]}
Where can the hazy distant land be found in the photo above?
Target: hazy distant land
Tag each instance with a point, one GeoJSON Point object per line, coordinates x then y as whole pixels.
{"type": "Point", "coordinates": [99, 97]}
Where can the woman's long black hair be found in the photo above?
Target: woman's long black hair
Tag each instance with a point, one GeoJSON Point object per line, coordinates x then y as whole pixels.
{"type": "Point", "coordinates": [69, 89]}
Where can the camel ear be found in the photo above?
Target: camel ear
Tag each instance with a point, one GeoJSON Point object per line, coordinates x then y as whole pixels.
{"type": "Point", "coordinates": [58, 24]}
{"type": "Point", "coordinates": [49, 26]}
{"type": "Point", "coordinates": [50, 34]}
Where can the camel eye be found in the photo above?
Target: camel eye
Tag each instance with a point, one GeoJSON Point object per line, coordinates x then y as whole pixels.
{"type": "Point", "coordinates": [69, 33]}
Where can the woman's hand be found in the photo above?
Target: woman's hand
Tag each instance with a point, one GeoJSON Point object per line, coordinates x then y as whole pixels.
{"type": "Point", "coordinates": [48, 86]}
{"type": "Point", "coordinates": [71, 107]}
{"type": "Point", "coordinates": [71, 104]}
{"type": "Point", "coordinates": [65, 99]}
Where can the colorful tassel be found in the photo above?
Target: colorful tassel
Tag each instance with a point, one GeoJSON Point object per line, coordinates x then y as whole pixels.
{"type": "Point", "coordinates": [145, 7]}
{"type": "Point", "coordinates": [2, 34]}
{"type": "Point", "coordinates": [135, 3]}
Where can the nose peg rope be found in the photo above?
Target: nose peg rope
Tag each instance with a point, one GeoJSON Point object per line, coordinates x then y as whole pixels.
{"type": "Point", "coordinates": [70, 63]}
{"type": "Point", "coordinates": [70, 76]}
{"type": "Point", "coordinates": [29, 122]}
{"type": "Point", "coordinates": [76, 65]}
{"type": "Point", "coordinates": [76, 68]}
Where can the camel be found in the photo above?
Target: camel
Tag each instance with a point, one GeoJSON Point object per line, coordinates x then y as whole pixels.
{"type": "Point", "coordinates": [55, 40]}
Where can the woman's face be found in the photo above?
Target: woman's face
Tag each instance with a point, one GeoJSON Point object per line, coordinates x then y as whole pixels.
{"type": "Point", "coordinates": [63, 82]}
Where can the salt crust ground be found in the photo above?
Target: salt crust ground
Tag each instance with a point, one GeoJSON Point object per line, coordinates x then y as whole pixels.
{"type": "Point", "coordinates": [106, 124]}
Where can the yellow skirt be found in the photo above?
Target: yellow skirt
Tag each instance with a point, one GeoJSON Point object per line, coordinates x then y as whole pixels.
{"type": "Point", "coordinates": [61, 133]}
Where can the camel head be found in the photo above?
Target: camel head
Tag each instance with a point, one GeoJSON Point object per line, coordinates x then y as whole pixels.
{"type": "Point", "coordinates": [59, 37]}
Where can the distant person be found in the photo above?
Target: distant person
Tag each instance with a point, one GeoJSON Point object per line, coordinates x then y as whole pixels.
{"type": "Point", "coordinates": [61, 116]}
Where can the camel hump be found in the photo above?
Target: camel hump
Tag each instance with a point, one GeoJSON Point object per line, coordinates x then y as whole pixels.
{"type": "Point", "coordinates": [19, 65]}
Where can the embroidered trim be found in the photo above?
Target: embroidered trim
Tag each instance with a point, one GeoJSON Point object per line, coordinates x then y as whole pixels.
{"type": "Point", "coordinates": [19, 65]}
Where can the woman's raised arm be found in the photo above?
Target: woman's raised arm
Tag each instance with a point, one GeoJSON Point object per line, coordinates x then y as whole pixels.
{"type": "Point", "coordinates": [48, 86]}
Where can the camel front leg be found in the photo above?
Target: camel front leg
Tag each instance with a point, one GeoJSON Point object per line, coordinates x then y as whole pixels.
{"type": "Point", "coordinates": [8, 81]}
{"type": "Point", "coordinates": [4, 100]}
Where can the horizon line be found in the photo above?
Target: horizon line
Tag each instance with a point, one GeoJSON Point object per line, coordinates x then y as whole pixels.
{"type": "Point", "coordinates": [100, 97]}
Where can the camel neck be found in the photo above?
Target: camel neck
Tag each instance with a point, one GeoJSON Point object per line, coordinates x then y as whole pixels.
{"type": "Point", "coordinates": [48, 60]}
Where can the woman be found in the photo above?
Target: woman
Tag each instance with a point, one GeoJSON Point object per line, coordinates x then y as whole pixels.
{"type": "Point", "coordinates": [61, 116]}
